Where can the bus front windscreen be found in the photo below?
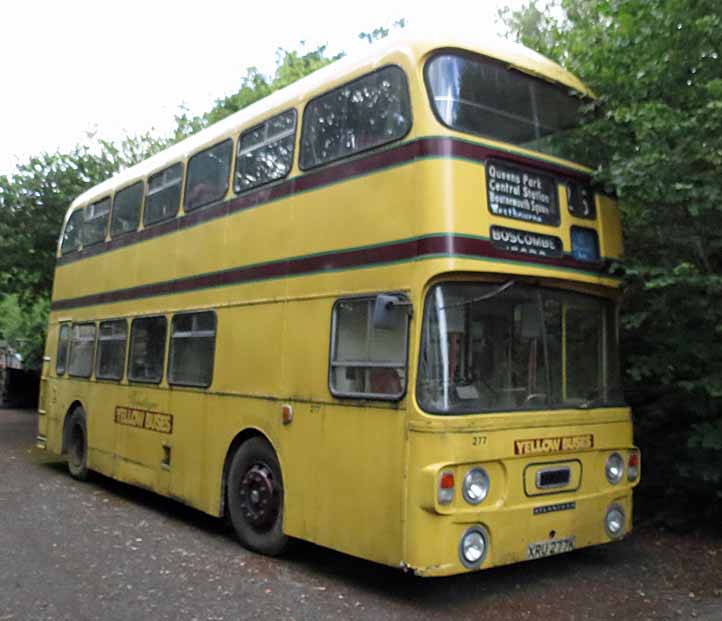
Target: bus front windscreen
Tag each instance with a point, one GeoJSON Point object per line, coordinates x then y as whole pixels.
{"type": "Point", "coordinates": [509, 346]}
{"type": "Point", "coordinates": [480, 96]}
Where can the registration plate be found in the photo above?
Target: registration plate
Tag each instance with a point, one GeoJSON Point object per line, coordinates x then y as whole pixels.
{"type": "Point", "coordinates": [549, 548]}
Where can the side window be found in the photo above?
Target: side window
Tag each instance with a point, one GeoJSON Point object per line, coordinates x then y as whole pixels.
{"type": "Point", "coordinates": [192, 344]}
{"type": "Point", "coordinates": [63, 342]}
{"type": "Point", "coordinates": [360, 115]}
{"type": "Point", "coordinates": [71, 234]}
{"type": "Point", "coordinates": [367, 361]}
{"type": "Point", "coordinates": [95, 222]}
{"type": "Point", "coordinates": [111, 349]}
{"type": "Point", "coordinates": [265, 152]}
{"type": "Point", "coordinates": [82, 344]}
{"type": "Point", "coordinates": [126, 209]}
{"type": "Point", "coordinates": [207, 178]}
{"type": "Point", "coordinates": [147, 349]}
{"type": "Point", "coordinates": [164, 190]}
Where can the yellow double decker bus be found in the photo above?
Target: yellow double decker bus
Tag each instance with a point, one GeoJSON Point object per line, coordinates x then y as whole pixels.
{"type": "Point", "coordinates": [373, 311]}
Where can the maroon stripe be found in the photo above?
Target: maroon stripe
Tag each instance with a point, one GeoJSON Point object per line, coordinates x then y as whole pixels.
{"type": "Point", "coordinates": [474, 247]}
{"type": "Point", "coordinates": [449, 245]}
{"type": "Point", "coordinates": [405, 152]}
{"type": "Point", "coordinates": [449, 147]}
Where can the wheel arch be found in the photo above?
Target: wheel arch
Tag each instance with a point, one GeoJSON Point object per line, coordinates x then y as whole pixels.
{"type": "Point", "coordinates": [66, 429]}
{"type": "Point", "coordinates": [241, 438]}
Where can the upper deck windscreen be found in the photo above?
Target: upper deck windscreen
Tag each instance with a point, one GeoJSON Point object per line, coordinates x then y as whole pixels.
{"type": "Point", "coordinates": [480, 96]}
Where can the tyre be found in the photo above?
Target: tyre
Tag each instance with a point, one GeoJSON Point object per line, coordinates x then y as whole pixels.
{"type": "Point", "coordinates": [255, 497]}
{"type": "Point", "coordinates": [77, 445]}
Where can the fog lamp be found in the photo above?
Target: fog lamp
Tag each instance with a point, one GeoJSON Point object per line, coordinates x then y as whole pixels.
{"type": "Point", "coordinates": [473, 547]}
{"type": "Point", "coordinates": [614, 521]}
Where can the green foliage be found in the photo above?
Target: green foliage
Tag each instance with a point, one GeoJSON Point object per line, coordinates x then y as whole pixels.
{"type": "Point", "coordinates": [34, 199]}
{"type": "Point", "coordinates": [381, 32]}
{"type": "Point", "coordinates": [290, 66]}
{"type": "Point", "coordinates": [657, 129]}
{"type": "Point", "coordinates": [33, 202]}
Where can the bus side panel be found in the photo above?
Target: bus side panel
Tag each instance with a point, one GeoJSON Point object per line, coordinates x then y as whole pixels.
{"type": "Point", "coordinates": [343, 458]}
{"type": "Point", "coordinates": [246, 383]}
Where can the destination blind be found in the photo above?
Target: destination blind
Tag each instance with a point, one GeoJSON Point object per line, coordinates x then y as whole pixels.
{"type": "Point", "coordinates": [521, 194]}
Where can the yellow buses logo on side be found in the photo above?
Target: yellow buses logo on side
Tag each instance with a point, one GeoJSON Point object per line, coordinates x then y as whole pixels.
{"type": "Point", "coordinates": [144, 419]}
{"type": "Point", "coordinates": [557, 444]}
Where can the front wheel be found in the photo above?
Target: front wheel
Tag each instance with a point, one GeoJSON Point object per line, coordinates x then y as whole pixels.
{"type": "Point", "coordinates": [255, 497]}
{"type": "Point", "coordinates": [77, 445]}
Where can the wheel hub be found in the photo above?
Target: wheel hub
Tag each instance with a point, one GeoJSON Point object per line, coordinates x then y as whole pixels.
{"type": "Point", "coordinates": [259, 501]}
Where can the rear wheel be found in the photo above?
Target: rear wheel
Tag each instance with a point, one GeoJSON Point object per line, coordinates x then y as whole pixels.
{"type": "Point", "coordinates": [255, 497]}
{"type": "Point", "coordinates": [77, 445]}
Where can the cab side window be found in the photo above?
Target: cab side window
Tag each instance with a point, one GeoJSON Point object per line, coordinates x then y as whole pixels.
{"type": "Point", "coordinates": [366, 360]}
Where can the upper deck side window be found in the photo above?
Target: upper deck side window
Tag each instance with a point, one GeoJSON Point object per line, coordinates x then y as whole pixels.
{"type": "Point", "coordinates": [207, 178]}
{"type": "Point", "coordinates": [95, 222]}
{"type": "Point", "coordinates": [265, 152]}
{"type": "Point", "coordinates": [163, 198]}
{"type": "Point", "coordinates": [370, 111]}
{"type": "Point", "coordinates": [71, 233]}
{"type": "Point", "coordinates": [481, 96]}
{"type": "Point", "coordinates": [126, 209]}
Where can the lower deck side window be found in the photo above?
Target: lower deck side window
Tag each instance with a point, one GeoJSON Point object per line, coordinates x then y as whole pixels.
{"type": "Point", "coordinates": [82, 344]}
{"type": "Point", "coordinates": [111, 349]}
{"type": "Point", "coordinates": [147, 349]}
{"type": "Point", "coordinates": [63, 342]}
{"type": "Point", "coordinates": [367, 360]}
{"type": "Point", "coordinates": [192, 346]}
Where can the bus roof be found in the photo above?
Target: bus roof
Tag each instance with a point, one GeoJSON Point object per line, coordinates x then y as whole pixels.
{"type": "Point", "coordinates": [413, 43]}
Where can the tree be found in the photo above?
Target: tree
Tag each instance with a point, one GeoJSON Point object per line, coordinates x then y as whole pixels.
{"type": "Point", "coordinates": [33, 202]}
{"type": "Point", "coordinates": [657, 127]}
{"type": "Point", "coordinates": [290, 66]}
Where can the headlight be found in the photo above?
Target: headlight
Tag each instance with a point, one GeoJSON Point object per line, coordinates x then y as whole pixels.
{"type": "Point", "coordinates": [614, 468]}
{"type": "Point", "coordinates": [614, 521]}
{"type": "Point", "coordinates": [476, 486]}
{"type": "Point", "coordinates": [473, 547]}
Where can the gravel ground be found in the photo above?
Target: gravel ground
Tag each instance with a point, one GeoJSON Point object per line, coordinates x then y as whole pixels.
{"type": "Point", "coordinates": [104, 550]}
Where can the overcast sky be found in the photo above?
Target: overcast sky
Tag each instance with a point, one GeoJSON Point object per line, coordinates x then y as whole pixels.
{"type": "Point", "coordinates": [114, 68]}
